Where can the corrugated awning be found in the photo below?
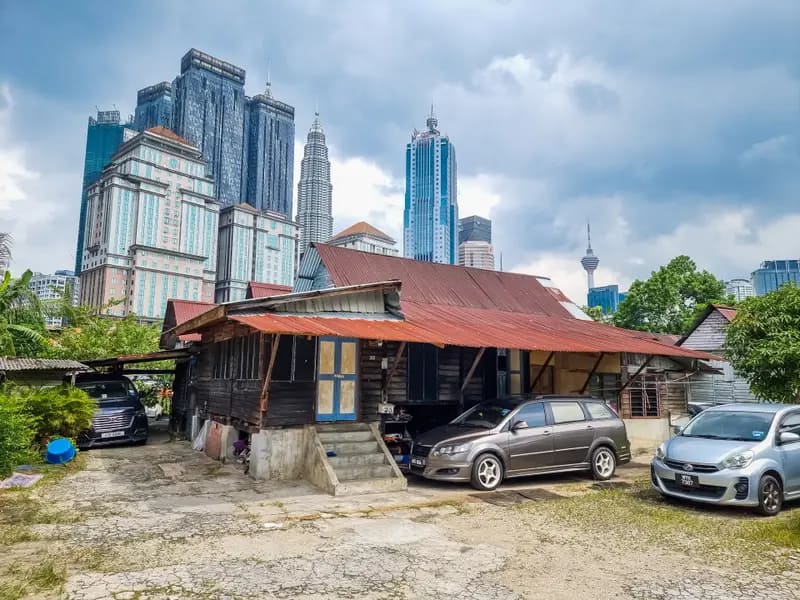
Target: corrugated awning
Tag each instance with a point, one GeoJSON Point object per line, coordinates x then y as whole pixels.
{"type": "Point", "coordinates": [472, 327]}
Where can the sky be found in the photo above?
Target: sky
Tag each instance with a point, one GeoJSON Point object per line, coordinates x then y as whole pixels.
{"type": "Point", "coordinates": [673, 126]}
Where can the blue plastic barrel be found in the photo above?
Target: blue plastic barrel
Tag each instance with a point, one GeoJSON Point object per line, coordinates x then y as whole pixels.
{"type": "Point", "coordinates": [60, 451]}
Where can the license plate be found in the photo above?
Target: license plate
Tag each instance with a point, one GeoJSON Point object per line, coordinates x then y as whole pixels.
{"type": "Point", "coordinates": [112, 434]}
{"type": "Point", "coordinates": [418, 462]}
{"type": "Point", "coordinates": [688, 481]}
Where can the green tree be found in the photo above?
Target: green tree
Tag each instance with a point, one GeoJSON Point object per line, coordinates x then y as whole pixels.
{"type": "Point", "coordinates": [763, 344]}
{"type": "Point", "coordinates": [92, 335]}
{"type": "Point", "coordinates": [670, 299]}
{"type": "Point", "coordinates": [22, 329]}
{"type": "Point", "coordinates": [596, 314]}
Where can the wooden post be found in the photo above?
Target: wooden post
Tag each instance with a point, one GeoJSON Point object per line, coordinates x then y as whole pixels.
{"type": "Point", "coordinates": [268, 378]}
{"type": "Point", "coordinates": [470, 373]}
{"type": "Point", "coordinates": [540, 374]}
{"type": "Point", "coordinates": [594, 368]}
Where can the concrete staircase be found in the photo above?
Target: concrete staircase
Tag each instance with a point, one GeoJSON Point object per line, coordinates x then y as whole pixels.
{"type": "Point", "coordinates": [362, 463]}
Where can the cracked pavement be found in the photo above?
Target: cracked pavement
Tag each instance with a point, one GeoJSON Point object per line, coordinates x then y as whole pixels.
{"type": "Point", "coordinates": [165, 522]}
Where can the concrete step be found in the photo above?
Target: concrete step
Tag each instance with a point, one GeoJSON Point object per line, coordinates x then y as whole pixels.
{"type": "Point", "coordinates": [351, 447]}
{"type": "Point", "coordinates": [339, 427]}
{"type": "Point", "coordinates": [354, 487]}
{"type": "Point", "coordinates": [352, 460]}
{"type": "Point", "coordinates": [346, 436]}
{"type": "Point", "coordinates": [364, 472]}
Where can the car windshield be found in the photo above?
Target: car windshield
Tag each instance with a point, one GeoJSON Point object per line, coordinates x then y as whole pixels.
{"type": "Point", "coordinates": [730, 425]}
{"type": "Point", "coordinates": [108, 390]}
{"type": "Point", "coordinates": [485, 416]}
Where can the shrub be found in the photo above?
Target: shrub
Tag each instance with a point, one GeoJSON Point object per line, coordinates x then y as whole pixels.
{"type": "Point", "coordinates": [16, 435]}
{"type": "Point", "coordinates": [62, 411]}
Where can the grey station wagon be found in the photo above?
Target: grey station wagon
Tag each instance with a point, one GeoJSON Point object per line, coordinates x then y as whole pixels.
{"type": "Point", "coordinates": [501, 439]}
{"type": "Point", "coordinates": [736, 454]}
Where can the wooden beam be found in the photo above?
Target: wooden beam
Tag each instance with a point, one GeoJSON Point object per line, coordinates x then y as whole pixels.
{"type": "Point", "coordinates": [540, 374]}
{"type": "Point", "coordinates": [594, 368]}
{"type": "Point", "coordinates": [471, 371]}
{"type": "Point", "coordinates": [638, 372]}
{"type": "Point", "coordinates": [149, 372]}
{"type": "Point", "coordinates": [268, 378]}
{"type": "Point", "coordinates": [396, 362]}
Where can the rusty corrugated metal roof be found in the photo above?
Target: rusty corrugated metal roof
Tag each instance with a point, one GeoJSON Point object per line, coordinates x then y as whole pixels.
{"type": "Point", "coordinates": [179, 311]}
{"type": "Point", "coordinates": [726, 311]}
{"type": "Point", "coordinates": [450, 285]}
{"type": "Point", "coordinates": [472, 327]}
{"type": "Point", "coordinates": [256, 289]}
{"type": "Point", "coordinates": [40, 364]}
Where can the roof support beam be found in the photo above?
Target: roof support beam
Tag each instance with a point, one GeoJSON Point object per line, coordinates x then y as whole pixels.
{"type": "Point", "coordinates": [542, 370]}
{"type": "Point", "coordinates": [638, 372]}
{"type": "Point", "coordinates": [471, 371]}
{"type": "Point", "coordinates": [594, 368]}
{"type": "Point", "coordinates": [268, 378]}
{"type": "Point", "coordinates": [392, 371]}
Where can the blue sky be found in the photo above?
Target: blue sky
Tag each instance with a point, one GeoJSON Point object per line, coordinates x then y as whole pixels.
{"type": "Point", "coordinates": [674, 125]}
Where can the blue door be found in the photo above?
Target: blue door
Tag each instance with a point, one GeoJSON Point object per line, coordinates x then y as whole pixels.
{"type": "Point", "coordinates": [337, 379]}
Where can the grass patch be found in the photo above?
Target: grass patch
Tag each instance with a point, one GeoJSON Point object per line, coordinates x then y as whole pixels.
{"type": "Point", "coordinates": [48, 575]}
{"type": "Point", "coordinates": [639, 513]}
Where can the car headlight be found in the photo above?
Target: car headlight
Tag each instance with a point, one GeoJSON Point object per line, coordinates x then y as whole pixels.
{"type": "Point", "coordinates": [739, 460]}
{"type": "Point", "coordinates": [451, 449]}
{"type": "Point", "coordinates": [660, 453]}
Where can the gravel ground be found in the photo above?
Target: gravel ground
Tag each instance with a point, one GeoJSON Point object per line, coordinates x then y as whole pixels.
{"type": "Point", "coordinates": [161, 521]}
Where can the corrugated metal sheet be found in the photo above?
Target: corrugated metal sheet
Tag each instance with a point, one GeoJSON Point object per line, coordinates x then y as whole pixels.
{"type": "Point", "coordinates": [450, 285]}
{"type": "Point", "coordinates": [472, 327]}
{"type": "Point", "coordinates": [256, 289]}
{"type": "Point", "coordinates": [180, 311]}
{"type": "Point", "coordinates": [41, 364]}
{"type": "Point", "coordinates": [727, 312]}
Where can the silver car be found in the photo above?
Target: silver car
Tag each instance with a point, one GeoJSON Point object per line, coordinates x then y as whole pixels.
{"type": "Point", "coordinates": [735, 454]}
{"type": "Point", "coordinates": [503, 438]}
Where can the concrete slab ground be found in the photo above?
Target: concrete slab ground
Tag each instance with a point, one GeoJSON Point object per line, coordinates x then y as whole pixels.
{"type": "Point", "coordinates": [165, 522]}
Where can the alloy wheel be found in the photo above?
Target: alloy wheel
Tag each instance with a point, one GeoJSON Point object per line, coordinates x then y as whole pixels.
{"type": "Point", "coordinates": [489, 472]}
{"type": "Point", "coordinates": [604, 463]}
{"type": "Point", "coordinates": [771, 493]}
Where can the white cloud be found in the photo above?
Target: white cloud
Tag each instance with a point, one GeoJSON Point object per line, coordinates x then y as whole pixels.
{"type": "Point", "coordinates": [13, 171]}
{"type": "Point", "coordinates": [776, 149]}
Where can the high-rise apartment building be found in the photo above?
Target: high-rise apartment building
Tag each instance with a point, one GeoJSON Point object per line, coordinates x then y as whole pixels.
{"type": "Point", "coordinates": [430, 217]}
{"type": "Point", "coordinates": [363, 236]}
{"type": "Point", "coordinates": [209, 113]}
{"type": "Point", "coordinates": [476, 254]}
{"type": "Point", "coordinates": [772, 274]}
{"type": "Point", "coordinates": [104, 135]}
{"type": "Point", "coordinates": [314, 190]}
{"type": "Point", "coordinates": [151, 228]}
{"type": "Point", "coordinates": [269, 164]}
{"type": "Point", "coordinates": [474, 229]}
{"type": "Point", "coordinates": [154, 107]}
{"type": "Point", "coordinates": [52, 287]}
{"type": "Point", "coordinates": [740, 289]}
{"type": "Point", "coordinates": [256, 246]}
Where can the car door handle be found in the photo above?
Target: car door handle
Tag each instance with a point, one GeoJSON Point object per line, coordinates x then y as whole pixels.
{"type": "Point", "coordinates": [546, 432]}
{"type": "Point", "coordinates": [589, 427]}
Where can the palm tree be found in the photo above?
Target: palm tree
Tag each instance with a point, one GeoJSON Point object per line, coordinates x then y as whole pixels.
{"type": "Point", "coordinates": [20, 313]}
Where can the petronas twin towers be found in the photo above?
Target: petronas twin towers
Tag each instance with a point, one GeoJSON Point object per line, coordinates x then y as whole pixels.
{"type": "Point", "coordinates": [314, 190]}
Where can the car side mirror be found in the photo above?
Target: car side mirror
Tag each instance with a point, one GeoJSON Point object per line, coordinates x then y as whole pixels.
{"type": "Point", "coordinates": [519, 425]}
{"type": "Point", "coordinates": [677, 429]}
{"type": "Point", "coordinates": [787, 437]}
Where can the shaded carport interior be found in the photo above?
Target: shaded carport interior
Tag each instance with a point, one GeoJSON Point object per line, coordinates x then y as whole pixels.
{"type": "Point", "coordinates": [117, 364]}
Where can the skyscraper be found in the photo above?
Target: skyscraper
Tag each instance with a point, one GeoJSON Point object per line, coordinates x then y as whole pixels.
{"type": "Point", "coordinates": [740, 289]}
{"type": "Point", "coordinates": [772, 274]}
{"type": "Point", "coordinates": [269, 168]}
{"type": "Point", "coordinates": [52, 287]}
{"type": "Point", "coordinates": [430, 217]}
{"type": "Point", "coordinates": [607, 297]}
{"type": "Point", "coordinates": [476, 254]}
{"type": "Point", "coordinates": [590, 261]}
{"type": "Point", "coordinates": [151, 228]}
{"type": "Point", "coordinates": [314, 190]}
{"type": "Point", "coordinates": [104, 136]}
{"type": "Point", "coordinates": [154, 107]}
{"type": "Point", "coordinates": [209, 113]}
{"type": "Point", "coordinates": [474, 229]}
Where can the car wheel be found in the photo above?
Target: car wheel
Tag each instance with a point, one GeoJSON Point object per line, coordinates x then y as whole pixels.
{"type": "Point", "coordinates": [770, 496]}
{"type": "Point", "coordinates": [487, 472]}
{"type": "Point", "coordinates": [604, 463]}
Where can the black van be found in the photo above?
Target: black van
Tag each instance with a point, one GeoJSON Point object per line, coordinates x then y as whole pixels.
{"type": "Point", "coordinates": [120, 418]}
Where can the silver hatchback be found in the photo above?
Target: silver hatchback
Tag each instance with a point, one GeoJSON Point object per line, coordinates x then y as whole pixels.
{"type": "Point", "coordinates": [735, 454]}
{"type": "Point", "coordinates": [503, 438]}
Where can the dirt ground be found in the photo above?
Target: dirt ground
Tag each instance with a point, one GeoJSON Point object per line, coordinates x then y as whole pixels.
{"type": "Point", "coordinates": [162, 521]}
